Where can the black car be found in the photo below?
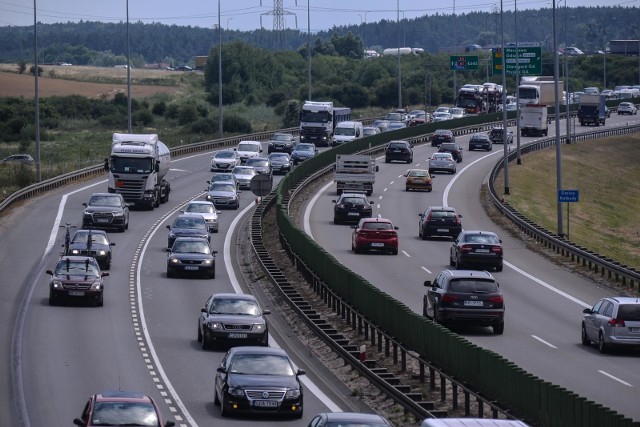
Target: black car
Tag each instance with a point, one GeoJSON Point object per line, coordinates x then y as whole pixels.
{"type": "Point", "coordinates": [439, 221]}
{"type": "Point", "coordinates": [188, 225]}
{"type": "Point", "coordinates": [106, 210]}
{"type": "Point", "coordinates": [351, 207]}
{"type": "Point", "coordinates": [480, 141]}
{"type": "Point", "coordinates": [452, 147]}
{"type": "Point", "coordinates": [480, 249]}
{"type": "Point", "coordinates": [233, 319]}
{"type": "Point", "coordinates": [303, 151]}
{"type": "Point", "coordinates": [398, 150]}
{"type": "Point", "coordinates": [93, 243]}
{"type": "Point", "coordinates": [191, 255]}
{"type": "Point", "coordinates": [280, 163]}
{"type": "Point", "coordinates": [440, 136]}
{"type": "Point", "coordinates": [465, 298]}
{"type": "Point", "coordinates": [258, 380]}
{"type": "Point", "coordinates": [76, 277]}
{"type": "Point", "coordinates": [262, 165]}
{"type": "Point", "coordinates": [496, 135]}
{"type": "Point", "coordinates": [281, 142]}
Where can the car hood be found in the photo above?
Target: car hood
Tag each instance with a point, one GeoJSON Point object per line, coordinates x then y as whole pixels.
{"type": "Point", "coordinates": [234, 319]}
{"type": "Point", "coordinates": [190, 257]}
{"type": "Point", "coordinates": [189, 231]}
{"type": "Point", "coordinates": [94, 209]}
{"type": "Point", "coordinates": [241, 380]}
{"type": "Point", "coordinates": [94, 246]}
{"type": "Point", "coordinates": [76, 278]}
{"type": "Point", "coordinates": [222, 193]}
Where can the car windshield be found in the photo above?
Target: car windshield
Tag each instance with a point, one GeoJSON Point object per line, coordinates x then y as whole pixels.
{"type": "Point", "coordinates": [418, 173]}
{"type": "Point", "coordinates": [305, 148]}
{"type": "Point", "coordinates": [189, 222]}
{"type": "Point", "coordinates": [222, 186]}
{"type": "Point", "coordinates": [630, 312]}
{"type": "Point", "coordinates": [83, 236]}
{"type": "Point", "coordinates": [344, 131]}
{"type": "Point", "coordinates": [244, 171]}
{"type": "Point", "coordinates": [279, 157]}
{"type": "Point", "coordinates": [200, 208]}
{"type": "Point", "coordinates": [396, 145]}
{"type": "Point", "coordinates": [191, 247]}
{"type": "Point", "coordinates": [377, 226]}
{"type": "Point", "coordinates": [259, 163]}
{"type": "Point", "coordinates": [131, 165]}
{"type": "Point", "coordinates": [394, 117]}
{"type": "Point", "coordinates": [105, 200]}
{"type": "Point", "coordinates": [234, 306]}
{"type": "Point", "coordinates": [353, 200]}
{"type": "Point", "coordinates": [248, 147]}
{"type": "Point", "coordinates": [225, 155]}
{"type": "Point", "coordinates": [369, 131]}
{"type": "Point", "coordinates": [261, 364]}
{"type": "Point", "coordinates": [222, 177]}
{"type": "Point", "coordinates": [473, 286]}
{"type": "Point", "coordinates": [457, 111]}
{"type": "Point", "coordinates": [285, 138]}
{"type": "Point", "coordinates": [124, 414]}
{"type": "Point", "coordinates": [481, 238]}
{"type": "Point", "coordinates": [68, 267]}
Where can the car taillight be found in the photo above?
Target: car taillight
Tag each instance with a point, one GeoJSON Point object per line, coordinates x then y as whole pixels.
{"type": "Point", "coordinates": [449, 298]}
{"type": "Point", "coordinates": [457, 220]}
{"type": "Point", "coordinates": [465, 248]}
{"type": "Point", "coordinates": [496, 249]}
{"type": "Point", "coordinates": [616, 322]}
{"type": "Point", "coordinates": [497, 299]}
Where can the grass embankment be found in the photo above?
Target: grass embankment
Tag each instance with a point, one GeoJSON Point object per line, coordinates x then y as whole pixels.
{"type": "Point", "coordinates": [606, 219]}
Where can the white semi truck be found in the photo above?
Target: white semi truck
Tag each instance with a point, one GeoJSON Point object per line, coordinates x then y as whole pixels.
{"type": "Point", "coordinates": [355, 172]}
{"type": "Point", "coordinates": [137, 166]}
{"type": "Point", "coordinates": [319, 119]}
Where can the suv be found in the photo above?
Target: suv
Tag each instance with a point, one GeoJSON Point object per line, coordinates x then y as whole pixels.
{"type": "Point", "coordinates": [119, 408]}
{"type": "Point", "coordinates": [281, 142]}
{"type": "Point", "coordinates": [496, 135]}
{"type": "Point", "coordinates": [398, 150]}
{"type": "Point", "coordinates": [453, 148]}
{"type": "Point", "coordinates": [76, 277]}
{"type": "Point", "coordinates": [465, 297]}
{"type": "Point", "coordinates": [439, 221]}
{"type": "Point", "coordinates": [613, 321]}
{"type": "Point", "coordinates": [440, 136]}
{"type": "Point", "coordinates": [478, 248]}
{"type": "Point", "coordinates": [480, 141]}
{"type": "Point", "coordinates": [106, 210]}
{"type": "Point", "coordinates": [351, 207]}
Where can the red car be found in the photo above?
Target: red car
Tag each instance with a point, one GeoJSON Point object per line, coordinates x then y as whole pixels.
{"type": "Point", "coordinates": [377, 234]}
{"type": "Point", "coordinates": [121, 408]}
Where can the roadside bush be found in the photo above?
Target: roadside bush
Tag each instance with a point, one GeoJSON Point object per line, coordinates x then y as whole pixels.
{"type": "Point", "coordinates": [187, 113]}
{"type": "Point", "coordinates": [236, 124]}
{"type": "Point", "coordinates": [204, 125]}
{"type": "Point", "coordinates": [159, 108]}
{"type": "Point", "coordinates": [172, 111]}
{"type": "Point", "coordinates": [32, 70]}
{"type": "Point", "coordinates": [291, 114]}
{"type": "Point", "coordinates": [22, 66]}
{"type": "Point", "coordinates": [142, 117]}
{"type": "Point", "coordinates": [275, 98]}
{"type": "Point", "coordinates": [115, 119]}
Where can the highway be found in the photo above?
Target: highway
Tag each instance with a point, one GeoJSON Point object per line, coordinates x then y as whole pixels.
{"type": "Point", "coordinates": [543, 300]}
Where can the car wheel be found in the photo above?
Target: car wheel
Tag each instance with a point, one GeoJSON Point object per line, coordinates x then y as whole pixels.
{"type": "Point", "coordinates": [585, 338]}
{"type": "Point", "coordinates": [223, 410]}
{"type": "Point", "coordinates": [452, 263]}
{"type": "Point", "coordinates": [436, 318]}
{"type": "Point", "coordinates": [356, 249]}
{"type": "Point", "coordinates": [394, 252]}
{"type": "Point", "coordinates": [298, 415]}
{"type": "Point", "coordinates": [107, 265]}
{"type": "Point", "coordinates": [335, 221]}
{"type": "Point", "coordinates": [52, 299]}
{"type": "Point", "coordinates": [425, 313]}
{"type": "Point", "coordinates": [458, 264]}
{"type": "Point", "coordinates": [123, 228]}
{"type": "Point", "coordinates": [99, 302]}
{"type": "Point", "coordinates": [454, 171]}
{"type": "Point", "coordinates": [498, 329]}
{"type": "Point", "coordinates": [424, 235]}
{"type": "Point", "coordinates": [206, 345]}
{"type": "Point", "coordinates": [212, 274]}
{"type": "Point", "coordinates": [126, 225]}
{"type": "Point", "coordinates": [265, 341]}
{"type": "Point", "coordinates": [216, 401]}
{"type": "Point", "coordinates": [386, 160]}
{"type": "Point", "coordinates": [499, 267]}
{"type": "Point", "coordinates": [199, 334]}
{"type": "Point", "coordinates": [602, 347]}
{"type": "Point", "coordinates": [169, 272]}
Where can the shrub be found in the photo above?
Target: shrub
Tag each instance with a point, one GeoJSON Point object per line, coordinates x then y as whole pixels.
{"type": "Point", "coordinates": [159, 108]}
{"type": "Point", "coordinates": [22, 66]}
{"type": "Point", "coordinates": [236, 124]}
{"type": "Point", "coordinates": [204, 125]}
{"type": "Point", "coordinates": [275, 98]}
{"type": "Point", "coordinates": [142, 117]}
{"type": "Point", "coordinates": [187, 113]}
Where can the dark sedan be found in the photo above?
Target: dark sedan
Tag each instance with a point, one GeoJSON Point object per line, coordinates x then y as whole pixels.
{"type": "Point", "coordinates": [191, 255]}
{"type": "Point", "coordinates": [94, 243]}
{"type": "Point", "coordinates": [303, 151]}
{"type": "Point", "coordinates": [262, 165]}
{"type": "Point", "coordinates": [479, 249]}
{"type": "Point", "coordinates": [496, 134]}
{"type": "Point", "coordinates": [187, 225]}
{"type": "Point", "coordinates": [258, 380]}
{"type": "Point", "coordinates": [480, 141]}
{"type": "Point", "coordinates": [442, 221]}
{"type": "Point", "coordinates": [440, 136]}
{"type": "Point", "coordinates": [452, 147]}
{"type": "Point", "coordinates": [398, 151]}
{"type": "Point", "coordinates": [282, 142]}
{"type": "Point", "coordinates": [280, 163]}
{"type": "Point", "coordinates": [76, 277]}
{"type": "Point", "coordinates": [232, 319]}
{"type": "Point", "coordinates": [351, 207]}
{"type": "Point", "coordinates": [106, 210]}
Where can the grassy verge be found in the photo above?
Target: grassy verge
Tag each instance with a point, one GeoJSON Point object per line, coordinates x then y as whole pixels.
{"type": "Point", "coordinates": [606, 219]}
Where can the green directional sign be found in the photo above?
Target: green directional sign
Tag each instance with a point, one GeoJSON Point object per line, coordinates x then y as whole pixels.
{"type": "Point", "coordinates": [463, 62]}
{"type": "Point", "coordinates": [528, 59]}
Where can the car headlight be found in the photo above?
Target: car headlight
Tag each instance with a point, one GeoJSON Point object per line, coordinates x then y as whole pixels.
{"type": "Point", "coordinates": [293, 394]}
{"type": "Point", "coordinates": [95, 286]}
{"type": "Point", "coordinates": [173, 260]}
{"type": "Point", "coordinates": [259, 327]}
{"type": "Point", "coordinates": [214, 325]}
{"type": "Point", "coordinates": [118, 213]}
{"type": "Point", "coordinates": [75, 252]}
{"type": "Point", "coordinates": [56, 284]}
{"type": "Point", "coordinates": [102, 253]}
{"type": "Point", "coordinates": [236, 392]}
{"type": "Point", "coordinates": [207, 262]}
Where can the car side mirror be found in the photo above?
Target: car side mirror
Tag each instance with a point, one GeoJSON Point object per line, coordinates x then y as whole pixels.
{"type": "Point", "coordinates": [221, 370]}
{"type": "Point", "coordinates": [84, 204]}
{"type": "Point", "coordinates": [104, 274]}
{"type": "Point", "coordinates": [49, 272]}
{"type": "Point", "coordinates": [433, 176]}
{"type": "Point", "coordinates": [266, 311]}
{"type": "Point", "coordinates": [396, 227]}
{"type": "Point", "coordinates": [182, 211]}
{"type": "Point", "coordinates": [203, 310]}
{"type": "Point", "coordinates": [169, 227]}
{"type": "Point", "coordinates": [427, 283]}
{"type": "Point", "coordinates": [587, 311]}
{"type": "Point", "coordinates": [112, 244]}
{"type": "Point", "coordinates": [371, 202]}
{"type": "Point", "coordinates": [354, 226]}
{"type": "Point", "coordinates": [301, 372]}
{"type": "Point", "coordinates": [79, 422]}
{"type": "Point", "coordinates": [377, 168]}
{"type": "Point", "coordinates": [169, 424]}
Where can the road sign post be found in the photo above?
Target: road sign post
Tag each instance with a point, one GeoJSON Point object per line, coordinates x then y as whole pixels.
{"type": "Point", "coordinates": [527, 59]}
{"type": "Point", "coordinates": [568, 196]}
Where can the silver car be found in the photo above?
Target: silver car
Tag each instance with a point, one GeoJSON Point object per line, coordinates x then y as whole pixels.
{"type": "Point", "coordinates": [244, 175]}
{"type": "Point", "coordinates": [442, 162]}
{"type": "Point", "coordinates": [223, 194]}
{"type": "Point", "coordinates": [224, 161]}
{"type": "Point", "coordinates": [208, 211]}
{"type": "Point", "coordinates": [613, 321]}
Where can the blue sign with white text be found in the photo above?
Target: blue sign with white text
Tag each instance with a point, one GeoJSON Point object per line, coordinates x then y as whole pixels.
{"type": "Point", "coordinates": [568, 196]}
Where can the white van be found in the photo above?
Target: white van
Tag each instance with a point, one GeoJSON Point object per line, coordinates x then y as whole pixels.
{"type": "Point", "coordinates": [346, 132]}
{"type": "Point", "coordinates": [248, 149]}
{"type": "Point", "coordinates": [471, 422]}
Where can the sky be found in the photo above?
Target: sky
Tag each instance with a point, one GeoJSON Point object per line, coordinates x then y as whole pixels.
{"type": "Point", "coordinates": [247, 15]}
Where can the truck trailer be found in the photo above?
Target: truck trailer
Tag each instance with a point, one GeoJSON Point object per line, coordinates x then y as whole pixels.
{"type": "Point", "coordinates": [592, 110]}
{"type": "Point", "coordinates": [355, 172]}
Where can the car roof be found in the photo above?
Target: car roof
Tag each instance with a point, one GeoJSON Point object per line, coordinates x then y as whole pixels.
{"type": "Point", "coordinates": [375, 220]}
{"type": "Point", "coordinates": [478, 274]}
{"type": "Point", "coordinates": [353, 417]}
{"type": "Point", "coordinates": [491, 233]}
{"type": "Point", "coordinates": [189, 215]}
{"type": "Point", "coordinates": [626, 300]}
{"type": "Point", "coordinates": [249, 141]}
{"type": "Point", "coordinates": [229, 295]}
{"type": "Point", "coordinates": [353, 194]}
{"type": "Point", "coordinates": [106, 194]}
{"type": "Point", "coordinates": [257, 350]}
{"type": "Point", "coordinates": [200, 202]}
{"type": "Point", "coordinates": [77, 258]}
{"type": "Point", "coordinates": [441, 208]}
{"type": "Point", "coordinates": [254, 159]}
{"type": "Point", "coordinates": [90, 230]}
{"type": "Point", "coordinates": [192, 239]}
{"type": "Point", "coordinates": [122, 395]}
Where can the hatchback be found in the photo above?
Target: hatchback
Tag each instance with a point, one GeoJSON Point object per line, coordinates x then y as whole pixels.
{"type": "Point", "coordinates": [224, 160]}
{"type": "Point", "coordinates": [439, 221]}
{"type": "Point", "coordinates": [418, 179]}
{"type": "Point", "coordinates": [351, 207]}
{"type": "Point", "coordinates": [370, 130]}
{"type": "Point", "coordinates": [398, 151]}
{"type": "Point", "coordinates": [442, 162]}
{"type": "Point", "coordinates": [478, 249]}
{"type": "Point", "coordinates": [627, 108]}
{"type": "Point", "coordinates": [612, 322]}
{"type": "Point", "coordinates": [453, 148]}
{"type": "Point", "coordinates": [465, 297]}
{"type": "Point", "coordinates": [440, 136]}
{"type": "Point", "coordinates": [121, 408]}
{"type": "Point", "coordinates": [375, 234]}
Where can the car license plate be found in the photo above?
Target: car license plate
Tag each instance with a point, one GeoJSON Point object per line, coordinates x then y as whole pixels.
{"type": "Point", "coordinates": [237, 336]}
{"type": "Point", "coordinates": [76, 293]}
{"type": "Point", "coordinates": [192, 267]}
{"type": "Point", "coordinates": [377, 244]}
{"type": "Point", "coordinates": [418, 181]}
{"type": "Point", "coordinates": [443, 230]}
{"type": "Point", "coordinates": [473, 303]}
{"type": "Point", "coordinates": [266, 403]}
{"type": "Point", "coordinates": [634, 330]}
{"type": "Point", "coordinates": [102, 220]}
{"type": "Point", "coordinates": [482, 251]}
{"type": "Point", "coordinates": [353, 214]}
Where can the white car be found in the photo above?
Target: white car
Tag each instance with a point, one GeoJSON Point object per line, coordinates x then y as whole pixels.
{"type": "Point", "coordinates": [441, 116]}
{"type": "Point", "coordinates": [224, 161]}
{"type": "Point", "coordinates": [627, 108]}
{"type": "Point", "coordinates": [457, 113]}
{"type": "Point", "coordinates": [207, 210]}
{"type": "Point", "coordinates": [246, 149]}
{"type": "Point", "coordinates": [442, 110]}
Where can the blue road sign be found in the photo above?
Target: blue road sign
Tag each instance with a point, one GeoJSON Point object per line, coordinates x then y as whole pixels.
{"type": "Point", "coordinates": [568, 196]}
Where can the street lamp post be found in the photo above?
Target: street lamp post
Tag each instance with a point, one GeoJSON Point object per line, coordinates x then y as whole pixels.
{"type": "Point", "coordinates": [228, 19]}
{"type": "Point", "coordinates": [309, 49]}
{"type": "Point", "coordinates": [399, 71]}
{"type": "Point", "coordinates": [556, 73]}
{"type": "Point", "coordinates": [37, 96]}
{"type": "Point", "coordinates": [504, 106]}
{"type": "Point", "coordinates": [128, 73]}
{"type": "Point", "coordinates": [220, 115]}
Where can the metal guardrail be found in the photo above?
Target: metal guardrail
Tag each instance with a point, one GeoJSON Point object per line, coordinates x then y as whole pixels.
{"type": "Point", "coordinates": [614, 270]}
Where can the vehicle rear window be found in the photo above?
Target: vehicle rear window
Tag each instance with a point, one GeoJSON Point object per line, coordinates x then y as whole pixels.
{"type": "Point", "coordinates": [377, 226]}
{"type": "Point", "coordinates": [354, 200]}
{"type": "Point", "coordinates": [473, 286]}
{"type": "Point", "coordinates": [442, 214]}
{"type": "Point", "coordinates": [629, 312]}
{"type": "Point", "coordinates": [481, 238]}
